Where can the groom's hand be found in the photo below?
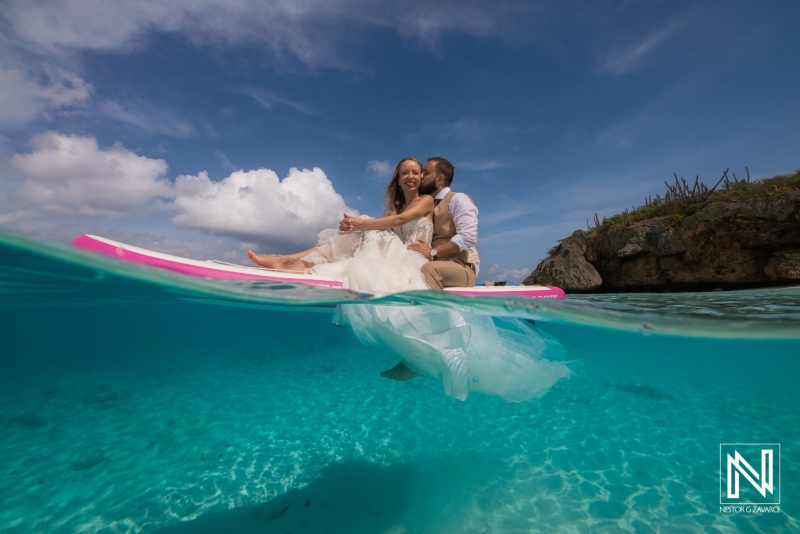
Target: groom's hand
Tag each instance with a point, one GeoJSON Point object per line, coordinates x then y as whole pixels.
{"type": "Point", "coordinates": [422, 247]}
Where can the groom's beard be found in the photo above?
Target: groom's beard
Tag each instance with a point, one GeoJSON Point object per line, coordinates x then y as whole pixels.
{"type": "Point", "coordinates": [428, 189]}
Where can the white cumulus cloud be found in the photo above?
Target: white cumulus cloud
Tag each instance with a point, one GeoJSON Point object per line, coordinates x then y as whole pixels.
{"type": "Point", "coordinates": [69, 176]}
{"type": "Point", "coordinates": [257, 206]}
{"type": "Point", "coordinates": [72, 175]}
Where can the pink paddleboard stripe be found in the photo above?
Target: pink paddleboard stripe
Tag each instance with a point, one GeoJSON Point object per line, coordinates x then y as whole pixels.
{"type": "Point", "coordinates": [86, 242]}
{"type": "Point", "coordinates": [125, 253]}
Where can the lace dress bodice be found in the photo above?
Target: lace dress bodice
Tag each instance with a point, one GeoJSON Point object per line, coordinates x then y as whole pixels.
{"type": "Point", "coordinates": [413, 231]}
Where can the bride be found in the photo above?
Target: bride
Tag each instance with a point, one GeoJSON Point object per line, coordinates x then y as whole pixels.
{"type": "Point", "coordinates": [377, 261]}
{"type": "Point", "coordinates": [469, 351]}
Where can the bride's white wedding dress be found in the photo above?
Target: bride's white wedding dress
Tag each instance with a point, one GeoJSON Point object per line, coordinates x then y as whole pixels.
{"type": "Point", "coordinates": [375, 261]}
{"type": "Point", "coordinates": [469, 351]}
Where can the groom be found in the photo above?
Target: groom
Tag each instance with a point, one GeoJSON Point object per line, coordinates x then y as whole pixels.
{"type": "Point", "coordinates": [453, 258]}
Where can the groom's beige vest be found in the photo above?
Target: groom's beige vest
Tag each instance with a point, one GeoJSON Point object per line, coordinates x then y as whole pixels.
{"type": "Point", "coordinates": [444, 228]}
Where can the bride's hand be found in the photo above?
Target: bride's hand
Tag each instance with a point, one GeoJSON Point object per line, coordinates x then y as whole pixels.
{"type": "Point", "coordinates": [356, 225]}
{"type": "Point", "coordinates": [346, 224]}
{"type": "Point", "coordinates": [352, 224]}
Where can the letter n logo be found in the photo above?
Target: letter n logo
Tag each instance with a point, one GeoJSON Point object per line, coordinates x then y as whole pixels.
{"type": "Point", "coordinates": [748, 473]}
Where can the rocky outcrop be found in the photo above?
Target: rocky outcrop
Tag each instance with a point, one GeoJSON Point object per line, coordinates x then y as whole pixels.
{"type": "Point", "coordinates": [567, 267]}
{"type": "Point", "coordinates": [784, 266]}
{"type": "Point", "coordinates": [746, 243]}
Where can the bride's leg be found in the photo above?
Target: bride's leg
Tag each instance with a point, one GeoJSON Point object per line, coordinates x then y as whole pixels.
{"type": "Point", "coordinates": [290, 262]}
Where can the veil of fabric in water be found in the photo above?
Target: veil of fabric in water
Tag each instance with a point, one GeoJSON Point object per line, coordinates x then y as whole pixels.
{"type": "Point", "coordinates": [470, 352]}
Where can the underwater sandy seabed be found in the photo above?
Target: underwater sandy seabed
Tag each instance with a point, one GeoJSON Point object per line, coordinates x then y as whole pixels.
{"type": "Point", "coordinates": [182, 417]}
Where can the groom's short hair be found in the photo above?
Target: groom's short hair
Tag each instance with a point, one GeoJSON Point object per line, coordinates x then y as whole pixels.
{"type": "Point", "coordinates": [444, 167]}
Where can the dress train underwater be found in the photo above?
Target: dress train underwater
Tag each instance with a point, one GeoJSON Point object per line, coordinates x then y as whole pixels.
{"type": "Point", "coordinates": [469, 351]}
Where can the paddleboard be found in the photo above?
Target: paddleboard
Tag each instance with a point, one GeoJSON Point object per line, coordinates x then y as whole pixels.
{"type": "Point", "coordinates": [215, 269]}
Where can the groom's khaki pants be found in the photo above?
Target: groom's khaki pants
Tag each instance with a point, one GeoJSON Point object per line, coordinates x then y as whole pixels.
{"type": "Point", "coordinates": [442, 274]}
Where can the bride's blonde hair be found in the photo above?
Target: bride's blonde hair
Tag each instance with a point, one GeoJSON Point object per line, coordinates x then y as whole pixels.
{"type": "Point", "coordinates": [394, 197]}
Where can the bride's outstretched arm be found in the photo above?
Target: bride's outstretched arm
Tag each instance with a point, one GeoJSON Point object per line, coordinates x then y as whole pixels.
{"type": "Point", "coordinates": [421, 208]}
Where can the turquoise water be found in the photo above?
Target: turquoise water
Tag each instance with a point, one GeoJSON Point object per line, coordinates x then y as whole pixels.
{"type": "Point", "coordinates": [138, 401]}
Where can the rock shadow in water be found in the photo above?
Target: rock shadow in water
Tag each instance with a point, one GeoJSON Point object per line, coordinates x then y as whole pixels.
{"type": "Point", "coordinates": [356, 497]}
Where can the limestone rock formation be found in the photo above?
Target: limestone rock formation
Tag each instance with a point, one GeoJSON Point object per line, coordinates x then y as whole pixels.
{"type": "Point", "coordinates": [566, 267]}
{"type": "Point", "coordinates": [746, 243]}
{"type": "Point", "coordinates": [784, 266]}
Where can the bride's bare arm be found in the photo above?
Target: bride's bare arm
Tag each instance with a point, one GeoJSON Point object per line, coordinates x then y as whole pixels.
{"type": "Point", "coordinates": [421, 208]}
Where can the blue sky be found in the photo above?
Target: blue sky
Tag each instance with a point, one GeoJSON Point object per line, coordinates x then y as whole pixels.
{"type": "Point", "coordinates": [206, 128]}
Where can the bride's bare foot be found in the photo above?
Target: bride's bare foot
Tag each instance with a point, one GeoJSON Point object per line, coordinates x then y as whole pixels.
{"type": "Point", "coordinates": [264, 260]}
{"type": "Point", "coordinates": [274, 262]}
{"type": "Point", "coordinates": [400, 372]}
